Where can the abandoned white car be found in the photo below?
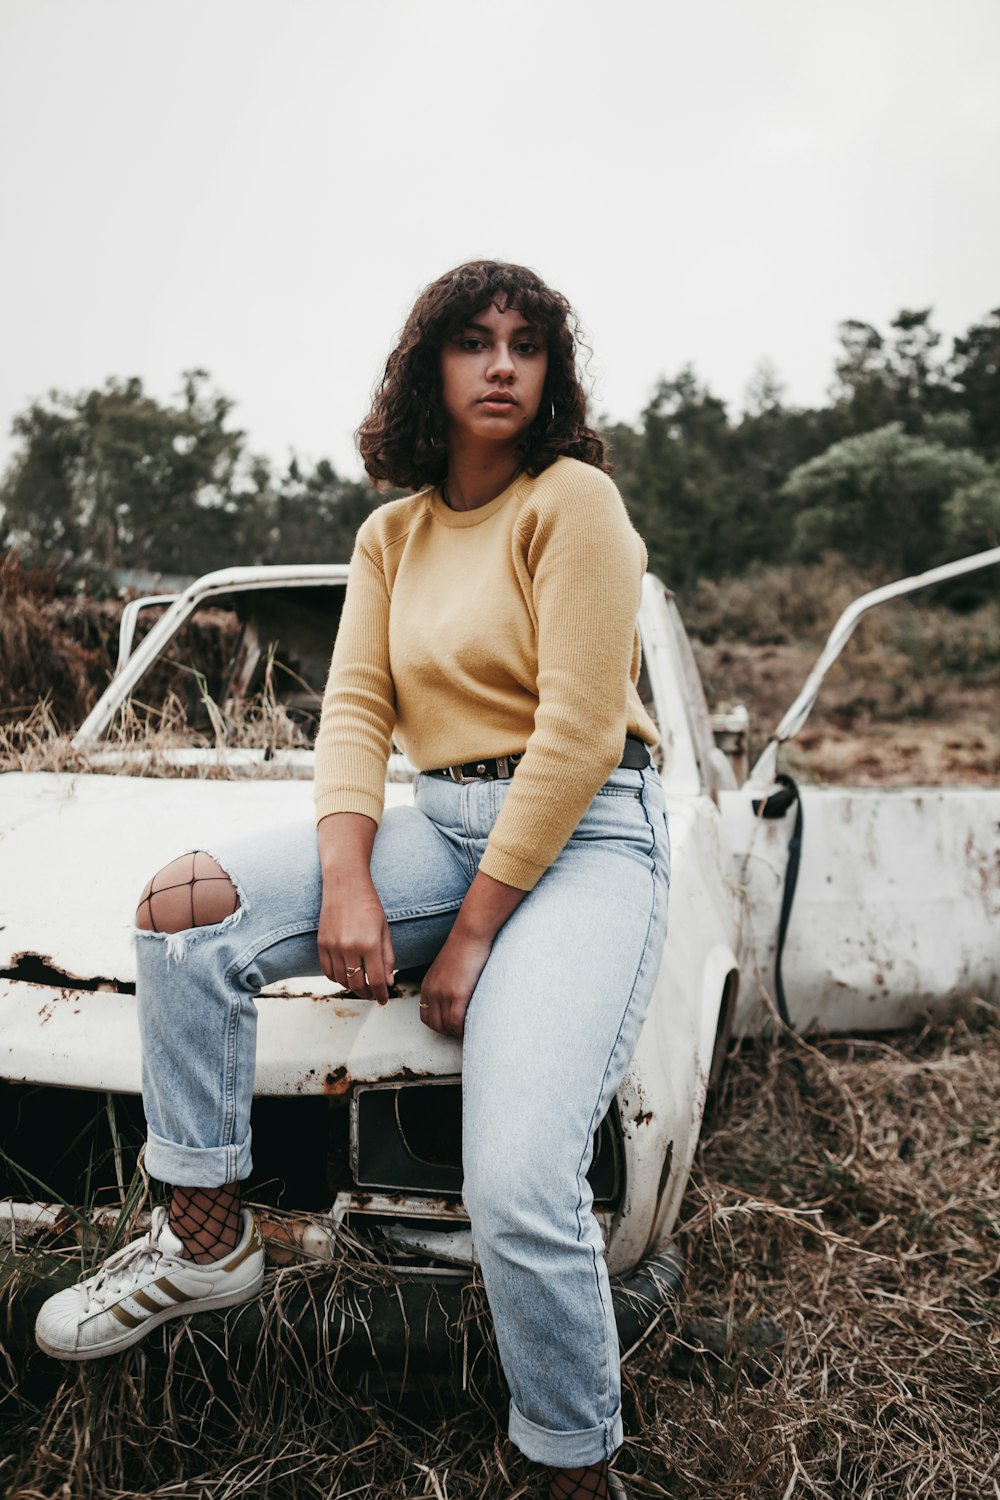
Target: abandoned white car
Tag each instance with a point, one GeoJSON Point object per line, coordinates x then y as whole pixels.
{"type": "Point", "coordinates": [840, 908]}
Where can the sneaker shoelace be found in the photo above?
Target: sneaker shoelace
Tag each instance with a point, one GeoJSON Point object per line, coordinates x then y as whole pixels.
{"type": "Point", "coordinates": [125, 1266]}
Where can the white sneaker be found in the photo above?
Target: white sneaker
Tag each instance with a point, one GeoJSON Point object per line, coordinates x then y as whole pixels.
{"type": "Point", "coordinates": [143, 1284]}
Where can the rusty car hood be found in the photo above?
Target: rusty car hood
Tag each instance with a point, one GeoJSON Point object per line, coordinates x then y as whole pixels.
{"type": "Point", "coordinates": [76, 851]}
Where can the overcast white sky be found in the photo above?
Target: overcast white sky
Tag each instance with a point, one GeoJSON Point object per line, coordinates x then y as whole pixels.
{"type": "Point", "coordinates": [260, 187]}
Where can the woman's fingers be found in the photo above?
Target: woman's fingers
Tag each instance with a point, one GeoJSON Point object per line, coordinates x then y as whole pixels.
{"type": "Point", "coordinates": [450, 981]}
{"type": "Point", "coordinates": [388, 956]}
{"type": "Point", "coordinates": [445, 1014]}
{"type": "Point", "coordinates": [432, 1013]}
{"type": "Point", "coordinates": [377, 987]}
{"type": "Point", "coordinates": [354, 975]}
{"type": "Point", "coordinates": [366, 975]}
{"type": "Point", "coordinates": [353, 939]}
{"type": "Point", "coordinates": [361, 960]}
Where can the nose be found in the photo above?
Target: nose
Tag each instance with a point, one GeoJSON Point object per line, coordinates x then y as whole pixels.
{"type": "Point", "coordinates": [501, 363]}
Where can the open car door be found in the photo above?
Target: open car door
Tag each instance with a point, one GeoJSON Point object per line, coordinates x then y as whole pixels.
{"type": "Point", "coordinates": [863, 907]}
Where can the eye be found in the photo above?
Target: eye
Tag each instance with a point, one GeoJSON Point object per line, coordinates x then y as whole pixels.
{"type": "Point", "coordinates": [527, 346]}
{"type": "Point", "coordinates": [471, 343]}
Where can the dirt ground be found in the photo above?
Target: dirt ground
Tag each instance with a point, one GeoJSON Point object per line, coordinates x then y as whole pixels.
{"type": "Point", "coordinates": [871, 725]}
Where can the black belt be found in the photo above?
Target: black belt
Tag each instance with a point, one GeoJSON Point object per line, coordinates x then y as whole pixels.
{"type": "Point", "coordinates": [501, 767]}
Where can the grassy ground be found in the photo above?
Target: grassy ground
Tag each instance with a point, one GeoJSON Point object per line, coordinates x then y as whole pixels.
{"type": "Point", "coordinates": [847, 1190]}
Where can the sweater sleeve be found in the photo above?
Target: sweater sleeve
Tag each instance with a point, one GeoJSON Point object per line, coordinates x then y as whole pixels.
{"type": "Point", "coordinates": [359, 705]}
{"type": "Point", "coordinates": [585, 562]}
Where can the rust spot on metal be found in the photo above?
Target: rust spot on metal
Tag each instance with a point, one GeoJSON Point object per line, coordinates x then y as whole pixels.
{"type": "Point", "coordinates": [336, 1081]}
{"type": "Point", "coordinates": [665, 1171]}
{"type": "Point", "coordinates": [644, 1118]}
{"type": "Point", "coordinates": [38, 968]}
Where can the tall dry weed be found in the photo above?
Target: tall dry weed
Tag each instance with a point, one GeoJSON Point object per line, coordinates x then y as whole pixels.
{"type": "Point", "coordinates": [39, 660]}
{"type": "Point", "coordinates": [798, 604]}
{"type": "Point", "coordinates": [157, 740]}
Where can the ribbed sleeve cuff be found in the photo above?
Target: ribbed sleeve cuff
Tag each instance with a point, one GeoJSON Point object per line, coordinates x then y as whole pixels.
{"type": "Point", "coordinates": [512, 869]}
{"type": "Point", "coordinates": [352, 802]}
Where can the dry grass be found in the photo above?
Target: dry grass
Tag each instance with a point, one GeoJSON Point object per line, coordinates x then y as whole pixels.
{"type": "Point", "coordinates": [784, 603]}
{"type": "Point", "coordinates": [911, 700]}
{"type": "Point", "coordinates": [43, 654]}
{"type": "Point", "coordinates": [148, 736]}
{"type": "Point", "coordinates": [852, 1189]}
{"type": "Point", "coordinates": [878, 720]}
{"type": "Point", "coordinates": [849, 1189]}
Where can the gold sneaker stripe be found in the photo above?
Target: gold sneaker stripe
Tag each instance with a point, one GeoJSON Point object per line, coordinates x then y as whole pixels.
{"type": "Point", "coordinates": [123, 1316]}
{"type": "Point", "coordinates": [146, 1301]}
{"type": "Point", "coordinates": [253, 1244]}
{"type": "Point", "coordinates": [166, 1285]}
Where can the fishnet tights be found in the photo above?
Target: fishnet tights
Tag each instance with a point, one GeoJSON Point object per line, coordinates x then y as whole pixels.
{"type": "Point", "coordinates": [192, 891]}
{"type": "Point", "coordinates": [591, 1483]}
{"type": "Point", "coordinates": [206, 1220]}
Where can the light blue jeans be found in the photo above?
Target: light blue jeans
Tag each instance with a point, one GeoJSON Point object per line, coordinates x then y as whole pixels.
{"type": "Point", "coordinates": [552, 1026]}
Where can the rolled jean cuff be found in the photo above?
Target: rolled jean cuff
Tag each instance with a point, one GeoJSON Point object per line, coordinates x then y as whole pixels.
{"type": "Point", "coordinates": [196, 1166]}
{"type": "Point", "coordinates": [566, 1450]}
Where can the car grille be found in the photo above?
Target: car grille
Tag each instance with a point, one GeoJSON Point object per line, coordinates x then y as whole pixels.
{"type": "Point", "coordinates": [407, 1137]}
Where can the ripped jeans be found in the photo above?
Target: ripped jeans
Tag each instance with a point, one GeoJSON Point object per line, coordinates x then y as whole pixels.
{"type": "Point", "coordinates": [550, 1031]}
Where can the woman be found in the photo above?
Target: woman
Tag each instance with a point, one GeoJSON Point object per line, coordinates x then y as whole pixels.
{"type": "Point", "coordinates": [490, 623]}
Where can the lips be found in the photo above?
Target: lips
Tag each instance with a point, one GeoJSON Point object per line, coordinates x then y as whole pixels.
{"type": "Point", "coordinates": [497, 398]}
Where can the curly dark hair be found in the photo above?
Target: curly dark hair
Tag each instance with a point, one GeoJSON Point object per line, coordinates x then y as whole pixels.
{"type": "Point", "coordinates": [403, 440]}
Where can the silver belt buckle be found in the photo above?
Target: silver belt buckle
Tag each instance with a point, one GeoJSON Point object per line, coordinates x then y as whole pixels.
{"type": "Point", "coordinates": [457, 776]}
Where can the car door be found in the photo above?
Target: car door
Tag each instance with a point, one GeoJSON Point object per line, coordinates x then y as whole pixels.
{"type": "Point", "coordinates": [883, 901]}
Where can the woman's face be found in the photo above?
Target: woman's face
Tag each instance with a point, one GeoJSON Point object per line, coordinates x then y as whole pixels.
{"type": "Point", "coordinates": [492, 375]}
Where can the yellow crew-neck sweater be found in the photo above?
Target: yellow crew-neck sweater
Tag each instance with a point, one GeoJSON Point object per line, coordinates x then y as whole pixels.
{"type": "Point", "coordinates": [484, 632]}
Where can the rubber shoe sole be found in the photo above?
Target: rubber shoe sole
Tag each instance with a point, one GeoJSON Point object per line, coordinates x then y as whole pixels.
{"type": "Point", "coordinates": [138, 1308]}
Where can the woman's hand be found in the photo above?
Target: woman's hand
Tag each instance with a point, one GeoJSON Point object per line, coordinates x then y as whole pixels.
{"type": "Point", "coordinates": [454, 974]}
{"type": "Point", "coordinates": [449, 982]}
{"type": "Point", "coordinates": [355, 948]}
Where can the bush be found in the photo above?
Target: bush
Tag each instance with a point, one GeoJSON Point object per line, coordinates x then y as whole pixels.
{"type": "Point", "coordinates": [42, 655]}
{"type": "Point", "coordinates": [774, 605]}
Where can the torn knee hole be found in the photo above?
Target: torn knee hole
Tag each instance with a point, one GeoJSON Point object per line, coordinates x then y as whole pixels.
{"type": "Point", "coordinates": [192, 891]}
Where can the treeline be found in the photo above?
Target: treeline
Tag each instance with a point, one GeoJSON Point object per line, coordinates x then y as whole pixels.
{"type": "Point", "coordinates": [112, 479]}
{"type": "Point", "coordinates": [899, 471]}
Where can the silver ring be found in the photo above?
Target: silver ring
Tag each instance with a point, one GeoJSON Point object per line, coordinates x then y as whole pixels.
{"type": "Point", "coordinates": [425, 1005]}
{"type": "Point", "coordinates": [354, 971]}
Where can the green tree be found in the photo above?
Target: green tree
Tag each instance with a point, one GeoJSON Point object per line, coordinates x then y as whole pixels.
{"type": "Point", "coordinates": [674, 474]}
{"type": "Point", "coordinates": [880, 499]}
{"type": "Point", "coordinates": [975, 377]}
{"type": "Point", "coordinates": [112, 478]}
{"type": "Point", "coordinates": [313, 517]}
{"type": "Point", "coordinates": [899, 378]}
{"type": "Point", "coordinates": [972, 516]}
{"type": "Point", "coordinates": [39, 491]}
